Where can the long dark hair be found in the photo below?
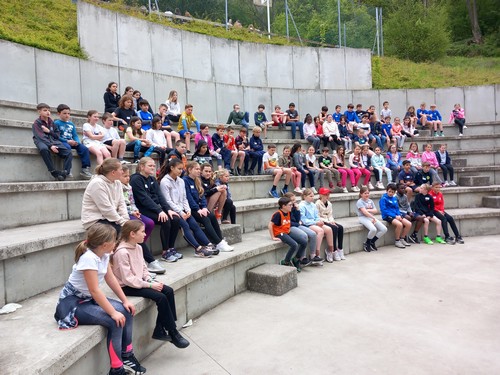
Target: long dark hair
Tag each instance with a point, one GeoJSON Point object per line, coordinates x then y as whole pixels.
{"type": "Point", "coordinates": [167, 167]}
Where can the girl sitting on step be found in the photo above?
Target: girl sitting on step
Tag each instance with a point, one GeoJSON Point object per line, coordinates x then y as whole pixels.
{"type": "Point", "coordinates": [82, 301]}
{"type": "Point", "coordinates": [134, 279]}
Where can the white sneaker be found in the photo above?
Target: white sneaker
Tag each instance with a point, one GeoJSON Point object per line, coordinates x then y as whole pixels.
{"type": "Point", "coordinates": [336, 255]}
{"type": "Point", "coordinates": [344, 190]}
{"type": "Point", "coordinates": [403, 241]}
{"type": "Point", "coordinates": [355, 188]}
{"type": "Point", "coordinates": [399, 244]}
{"type": "Point", "coordinates": [370, 186]}
{"type": "Point", "coordinates": [314, 190]}
{"type": "Point", "coordinates": [329, 256]}
{"type": "Point", "coordinates": [453, 183]}
{"type": "Point", "coordinates": [380, 185]}
{"type": "Point", "coordinates": [465, 126]}
{"type": "Point", "coordinates": [124, 162]}
{"type": "Point", "coordinates": [446, 184]}
{"type": "Point", "coordinates": [460, 135]}
{"type": "Point", "coordinates": [223, 246]}
{"type": "Point", "coordinates": [341, 254]}
{"type": "Point", "coordinates": [298, 190]}
{"type": "Point", "coordinates": [155, 267]}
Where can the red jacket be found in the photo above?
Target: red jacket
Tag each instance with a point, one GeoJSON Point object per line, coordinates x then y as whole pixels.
{"type": "Point", "coordinates": [438, 200]}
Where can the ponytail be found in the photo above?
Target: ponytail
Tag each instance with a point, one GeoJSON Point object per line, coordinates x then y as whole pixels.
{"type": "Point", "coordinates": [97, 235]}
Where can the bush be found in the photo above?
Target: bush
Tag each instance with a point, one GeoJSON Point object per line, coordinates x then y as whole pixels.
{"type": "Point", "coordinates": [417, 33]}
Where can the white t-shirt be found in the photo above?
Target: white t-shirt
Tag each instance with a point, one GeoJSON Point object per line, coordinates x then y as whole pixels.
{"type": "Point", "coordinates": [110, 134]}
{"type": "Point", "coordinates": [96, 130]}
{"type": "Point", "coordinates": [368, 204]}
{"type": "Point", "coordinates": [156, 137]}
{"type": "Point", "coordinates": [88, 261]}
{"type": "Point", "coordinates": [272, 160]}
{"type": "Point", "coordinates": [174, 109]}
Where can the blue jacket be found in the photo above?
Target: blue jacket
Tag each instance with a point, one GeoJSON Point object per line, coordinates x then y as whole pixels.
{"type": "Point", "coordinates": [196, 202]}
{"type": "Point", "coordinates": [295, 217]}
{"type": "Point", "coordinates": [435, 115]}
{"type": "Point", "coordinates": [147, 119]}
{"type": "Point", "coordinates": [391, 163]}
{"type": "Point", "coordinates": [421, 112]}
{"type": "Point", "coordinates": [218, 142]}
{"type": "Point", "coordinates": [256, 144]}
{"type": "Point", "coordinates": [389, 206]}
{"type": "Point", "coordinates": [351, 116]}
{"type": "Point", "coordinates": [309, 213]}
{"type": "Point", "coordinates": [336, 117]}
{"type": "Point", "coordinates": [438, 157]}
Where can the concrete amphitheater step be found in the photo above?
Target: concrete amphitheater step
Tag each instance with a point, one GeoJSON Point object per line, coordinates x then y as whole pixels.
{"type": "Point", "coordinates": [491, 201]}
{"type": "Point", "coordinates": [39, 257]}
{"type": "Point", "coordinates": [199, 284]}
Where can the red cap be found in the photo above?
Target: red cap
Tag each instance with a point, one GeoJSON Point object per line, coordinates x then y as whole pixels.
{"type": "Point", "coordinates": [324, 191]}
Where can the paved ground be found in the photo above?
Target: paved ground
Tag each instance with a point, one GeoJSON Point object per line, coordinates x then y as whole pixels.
{"type": "Point", "coordinates": [422, 310]}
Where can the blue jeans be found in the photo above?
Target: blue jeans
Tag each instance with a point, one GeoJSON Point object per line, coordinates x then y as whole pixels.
{"type": "Point", "coordinates": [193, 233]}
{"type": "Point", "coordinates": [297, 241]}
{"type": "Point", "coordinates": [294, 125]}
{"type": "Point", "coordinates": [245, 121]}
{"type": "Point", "coordinates": [83, 153]}
{"type": "Point", "coordinates": [119, 339]}
{"type": "Point", "coordinates": [312, 236]}
{"type": "Point", "coordinates": [316, 142]}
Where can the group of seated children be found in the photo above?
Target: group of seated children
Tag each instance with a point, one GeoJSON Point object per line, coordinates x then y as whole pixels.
{"type": "Point", "coordinates": [307, 223]}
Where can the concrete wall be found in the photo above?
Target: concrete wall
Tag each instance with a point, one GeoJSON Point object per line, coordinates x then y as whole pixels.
{"type": "Point", "coordinates": [211, 73]}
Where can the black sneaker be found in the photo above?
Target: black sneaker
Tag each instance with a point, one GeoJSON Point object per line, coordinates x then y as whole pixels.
{"type": "Point", "coordinates": [367, 247]}
{"type": "Point", "coordinates": [450, 240]}
{"type": "Point", "coordinates": [117, 371]}
{"type": "Point", "coordinates": [305, 262]}
{"type": "Point", "coordinates": [317, 260]}
{"type": "Point", "coordinates": [296, 264]}
{"type": "Point", "coordinates": [414, 238]}
{"type": "Point", "coordinates": [373, 247]}
{"type": "Point", "coordinates": [131, 364]}
{"type": "Point", "coordinates": [178, 340]}
{"type": "Point", "coordinates": [59, 176]}
{"type": "Point", "coordinates": [460, 240]}
{"type": "Point", "coordinates": [160, 334]}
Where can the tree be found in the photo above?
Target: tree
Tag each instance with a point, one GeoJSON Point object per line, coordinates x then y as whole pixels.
{"type": "Point", "coordinates": [422, 36]}
{"type": "Point", "coordinates": [477, 37]}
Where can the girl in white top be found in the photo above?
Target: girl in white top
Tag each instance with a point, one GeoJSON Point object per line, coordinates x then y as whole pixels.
{"type": "Point", "coordinates": [112, 139]}
{"type": "Point", "coordinates": [331, 131]}
{"type": "Point", "coordinates": [82, 301]}
{"type": "Point", "coordinates": [366, 211]}
{"type": "Point", "coordinates": [313, 167]}
{"type": "Point", "coordinates": [93, 135]}
{"type": "Point", "coordinates": [174, 108]}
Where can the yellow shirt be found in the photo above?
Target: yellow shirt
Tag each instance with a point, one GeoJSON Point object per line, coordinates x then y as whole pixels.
{"type": "Point", "coordinates": [190, 119]}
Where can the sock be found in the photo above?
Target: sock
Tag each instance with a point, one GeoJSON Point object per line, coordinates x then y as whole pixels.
{"type": "Point", "coordinates": [374, 239]}
{"type": "Point", "coordinates": [273, 188]}
{"type": "Point", "coordinates": [285, 187]}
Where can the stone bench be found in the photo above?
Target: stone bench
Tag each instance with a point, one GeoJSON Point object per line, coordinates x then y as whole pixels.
{"type": "Point", "coordinates": [491, 202]}
{"type": "Point", "coordinates": [272, 279]}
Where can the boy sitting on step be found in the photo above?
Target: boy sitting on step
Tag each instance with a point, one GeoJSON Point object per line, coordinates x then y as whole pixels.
{"type": "Point", "coordinates": [46, 138]}
{"type": "Point", "coordinates": [280, 230]}
{"type": "Point", "coordinates": [270, 160]}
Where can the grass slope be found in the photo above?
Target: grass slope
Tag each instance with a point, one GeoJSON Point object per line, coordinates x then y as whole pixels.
{"type": "Point", "coordinates": [52, 25]}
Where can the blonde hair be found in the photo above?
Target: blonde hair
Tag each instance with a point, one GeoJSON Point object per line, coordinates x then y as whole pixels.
{"type": "Point", "coordinates": [129, 227]}
{"type": "Point", "coordinates": [97, 235]}
{"type": "Point", "coordinates": [197, 181]}
{"type": "Point", "coordinates": [142, 163]}
{"type": "Point", "coordinates": [108, 165]}
{"type": "Point", "coordinates": [307, 192]}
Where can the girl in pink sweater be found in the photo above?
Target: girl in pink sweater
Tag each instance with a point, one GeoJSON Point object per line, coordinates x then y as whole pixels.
{"type": "Point", "coordinates": [130, 270]}
{"type": "Point", "coordinates": [429, 156]}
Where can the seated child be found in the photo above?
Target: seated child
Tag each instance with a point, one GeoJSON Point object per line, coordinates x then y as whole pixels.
{"type": "Point", "coordinates": [171, 135]}
{"type": "Point", "coordinates": [238, 117]}
{"type": "Point", "coordinates": [229, 209]}
{"type": "Point", "coordinates": [366, 157]}
{"type": "Point", "coordinates": [389, 208]}
{"type": "Point", "coordinates": [256, 151]}
{"type": "Point", "coordinates": [144, 114]}
{"type": "Point", "coordinates": [242, 145]}
{"type": "Point", "coordinates": [214, 194]}
{"type": "Point", "coordinates": [325, 209]}
{"type": "Point", "coordinates": [378, 164]}
{"type": "Point", "coordinates": [134, 279]}
{"type": "Point", "coordinates": [414, 157]}
{"type": "Point", "coordinates": [407, 213]}
{"type": "Point", "coordinates": [313, 169]}
{"type": "Point", "coordinates": [112, 139]}
{"type": "Point", "coordinates": [394, 161]}
{"type": "Point", "coordinates": [429, 156]}
{"type": "Point", "coordinates": [366, 211]}
{"type": "Point", "coordinates": [220, 146]}
{"type": "Point", "coordinates": [346, 134]}
{"type": "Point", "coordinates": [279, 117]}
{"type": "Point", "coordinates": [184, 128]}
{"type": "Point", "coordinates": [299, 162]}
{"type": "Point", "coordinates": [358, 168]}
{"type": "Point", "coordinates": [204, 135]}
{"type": "Point", "coordinates": [285, 162]}
{"type": "Point", "coordinates": [310, 132]}
{"type": "Point", "coordinates": [201, 154]}
{"type": "Point", "coordinates": [397, 133]}
{"type": "Point", "coordinates": [83, 302]}
{"type": "Point", "coordinates": [309, 216]}
{"type": "Point", "coordinates": [93, 135]}
{"type": "Point", "coordinates": [280, 230]}
{"type": "Point", "coordinates": [260, 119]}
{"type": "Point", "coordinates": [457, 116]}
{"type": "Point", "coordinates": [424, 205]}
{"type": "Point", "coordinates": [230, 144]}
{"type": "Point", "coordinates": [319, 131]}
{"type": "Point", "coordinates": [69, 137]}
{"type": "Point", "coordinates": [444, 160]}
{"type": "Point", "coordinates": [407, 178]}
{"type": "Point", "coordinates": [445, 217]}
{"type": "Point", "coordinates": [136, 140]}
{"type": "Point", "coordinates": [270, 160]}
{"type": "Point", "coordinates": [326, 165]}
{"type": "Point", "coordinates": [435, 118]}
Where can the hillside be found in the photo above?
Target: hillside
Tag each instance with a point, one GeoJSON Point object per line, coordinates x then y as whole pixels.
{"type": "Point", "coordinates": [52, 25]}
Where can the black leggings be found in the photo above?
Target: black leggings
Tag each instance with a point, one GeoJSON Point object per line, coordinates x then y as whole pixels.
{"type": "Point", "coordinates": [338, 235]}
{"type": "Point", "coordinates": [460, 122]}
{"type": "Point", "coordinates": [445, 220]}
{"type": "Point", "coordinates": [165, 301]}
{"type": "Point", "coordinates": [211, 225]}
{"type": "Point", "coordinates": [229, 209]}
{"type": "Point", "coordinates": [168, 229]}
